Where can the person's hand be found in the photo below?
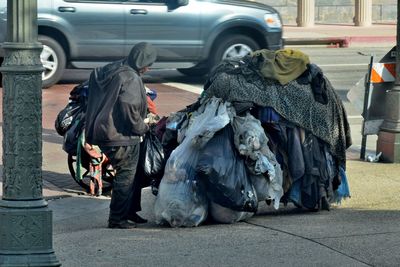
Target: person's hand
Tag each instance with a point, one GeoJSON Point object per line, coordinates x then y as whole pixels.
{"type": "Point", "coordinates": [151, 119]}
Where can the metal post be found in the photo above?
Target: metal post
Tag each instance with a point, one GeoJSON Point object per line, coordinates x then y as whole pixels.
{"type": "Point", "coordinates": [367, 100]}
{"type": "Point", "coordinates": [26, 222]}
{"type": "Point", "coordinates": [389, 135]}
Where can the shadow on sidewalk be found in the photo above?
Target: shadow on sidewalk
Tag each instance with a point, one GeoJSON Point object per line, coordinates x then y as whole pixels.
{"type": "Point", "coordinates": [63, 181]}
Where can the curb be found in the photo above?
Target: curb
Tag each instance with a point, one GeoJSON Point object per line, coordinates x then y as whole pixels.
{"type": "Point", "coordinates": [345, 41]}
{"type": "Point", "coordinates": [329, 41]}
{"type": "Point", "coordinates": [372, 39]}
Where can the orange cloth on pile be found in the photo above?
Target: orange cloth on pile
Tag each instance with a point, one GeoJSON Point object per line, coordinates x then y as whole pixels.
{"type": "Point", "coordinates": [151, 106]}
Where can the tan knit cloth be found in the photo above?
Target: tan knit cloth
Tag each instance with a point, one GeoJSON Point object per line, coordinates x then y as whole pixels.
{"type": "Point", "coordinates": [283, 65]}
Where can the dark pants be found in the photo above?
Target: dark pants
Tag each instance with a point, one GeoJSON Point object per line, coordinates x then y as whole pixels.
{"type": "Point", "coordinates": [126, 194]}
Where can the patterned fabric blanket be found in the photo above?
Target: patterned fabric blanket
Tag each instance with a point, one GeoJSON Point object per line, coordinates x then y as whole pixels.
{"type": "Point", "coordinates": [241, 81]}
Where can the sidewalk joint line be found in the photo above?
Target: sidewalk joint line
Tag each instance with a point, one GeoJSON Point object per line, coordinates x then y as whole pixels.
{"type": "Point", "coordinates": [357, 235]}
{"type": "Point", "coordinates": [311, 240]}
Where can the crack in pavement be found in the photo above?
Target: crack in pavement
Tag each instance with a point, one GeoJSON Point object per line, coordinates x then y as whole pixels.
{"type": "Point", "coordinates": [311, 240]}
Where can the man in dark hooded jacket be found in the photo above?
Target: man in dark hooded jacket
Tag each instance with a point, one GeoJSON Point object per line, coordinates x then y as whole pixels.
{"type": "Point", "coordinates": [115, 116]}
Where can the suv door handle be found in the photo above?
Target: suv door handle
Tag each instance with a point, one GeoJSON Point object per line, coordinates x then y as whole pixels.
{"type": "Point", "coordinates": [138, 11]}
{"type": "Point", "coordinates": [66, 9]}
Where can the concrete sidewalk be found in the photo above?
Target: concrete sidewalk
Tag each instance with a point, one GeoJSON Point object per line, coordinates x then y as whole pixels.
{"type": "Point", "coordinates": [363, 231]}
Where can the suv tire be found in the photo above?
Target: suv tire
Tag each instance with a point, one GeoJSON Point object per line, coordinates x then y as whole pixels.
{"type": "Point", "coordinates": [227, 47]}
{"type": "Point", "coordinates": [233, 45]}
{"type": "Point", "coordinates": [53, 60]}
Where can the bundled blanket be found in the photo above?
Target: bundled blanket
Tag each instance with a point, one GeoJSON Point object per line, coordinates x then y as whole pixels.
{"type": "Point", "coordinates": [241, 81]}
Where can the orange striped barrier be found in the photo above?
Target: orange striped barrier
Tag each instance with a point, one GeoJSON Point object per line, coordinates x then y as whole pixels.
{"type": "Point", "coordinates": [383, 72]}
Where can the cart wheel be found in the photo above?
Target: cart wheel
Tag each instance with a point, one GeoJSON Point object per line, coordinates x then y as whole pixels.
{"type": "Point", "coordinates": [108, 175]}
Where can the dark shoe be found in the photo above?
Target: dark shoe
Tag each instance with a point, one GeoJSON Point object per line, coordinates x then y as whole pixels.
{"type": "Point", "coordinates": [137, 219]}
{"type": "Point", "coordinates": [122, 225]}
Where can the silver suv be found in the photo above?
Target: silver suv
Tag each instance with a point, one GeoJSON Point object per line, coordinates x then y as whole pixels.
{"type": "Point", "coordinates": [191, 35]}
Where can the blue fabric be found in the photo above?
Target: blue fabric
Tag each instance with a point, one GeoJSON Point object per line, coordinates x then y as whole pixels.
{"type": "Point", "coordinates": [295, 154]}
{"type": "Point", "coordinates": [343, 190]}
{"type": "Point", "coordinates": [152, 94]}
{"type": "Point", "coordinates": [268, 115]}
{"type": "Point", "coordinates": [295, 193]}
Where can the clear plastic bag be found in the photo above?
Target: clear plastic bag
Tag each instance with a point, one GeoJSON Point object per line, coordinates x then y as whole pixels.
{"type": "Point", "coordinates": [224, 174]}
{"type": "Point", "coordinates": [251, 141]}
{"type": "Point", "coordinates": [261, 186]}
{"type": "Point", "coordinates": [213, 115]}
{"type": "Point", "coordinates": [181, 203]}
{"type": "Point", "coordinates": [180, 200]}
{"type": "Point", "coordinates": [265, 189]}
{"type": "Point", "coordinates": [225, 215]}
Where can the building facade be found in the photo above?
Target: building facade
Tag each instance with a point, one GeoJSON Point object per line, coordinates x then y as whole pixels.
{"type": "Point", "coordinates": [335, 11]}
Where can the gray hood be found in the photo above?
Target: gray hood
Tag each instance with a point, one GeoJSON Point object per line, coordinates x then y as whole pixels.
{"type": "Point", "coordinates": [142, 55]}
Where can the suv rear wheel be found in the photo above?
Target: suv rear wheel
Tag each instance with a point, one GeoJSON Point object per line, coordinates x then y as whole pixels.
{"type": "Point", "coordinates": [230, 46]}
{"type": "Point", "coordinates": [53, 60]}
{"type": "Point", "coordinates": [233, 46]}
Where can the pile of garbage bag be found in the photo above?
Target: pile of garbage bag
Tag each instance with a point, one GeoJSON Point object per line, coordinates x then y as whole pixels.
{"type": "Point", "coordinates": [268, 127]}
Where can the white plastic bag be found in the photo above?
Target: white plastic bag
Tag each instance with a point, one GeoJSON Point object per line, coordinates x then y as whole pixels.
{"type": "Point", "coordinates": [213, 115]}
{"type": "Point", "coordinates": [180, 201]}
{"type": "Point", "coordinates": [265, 190]}
{"type": "Point", "coordinates": [251, 141]}
{"type": "Point", "coordinates": [225, 215]}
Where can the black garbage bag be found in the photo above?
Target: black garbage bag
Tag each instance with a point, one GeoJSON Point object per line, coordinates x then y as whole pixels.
{"type": "Point", "coordinates": [76, 106]}
{"type": "Point", "coordinates": [152, 159]}
{"type": "Point", "coordinates": [71, 137]}
{"type": "Point", "coordinates": [224, 175]}
{"type": "Point", "coordinates": [65, 117]}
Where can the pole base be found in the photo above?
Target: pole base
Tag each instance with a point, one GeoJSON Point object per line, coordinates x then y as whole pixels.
{"type": "Point", "coordinates": [389, 144]}
{"type": "Point", "coordinates": [26, 235]}
{"type": "Point", "coordinates": [37, 260]}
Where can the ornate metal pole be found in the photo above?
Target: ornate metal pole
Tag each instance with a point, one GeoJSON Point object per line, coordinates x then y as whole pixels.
{"type": "Point", "coordinates": [25, 220]}
{"type": "Point", "coordinates": [389, 136]}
